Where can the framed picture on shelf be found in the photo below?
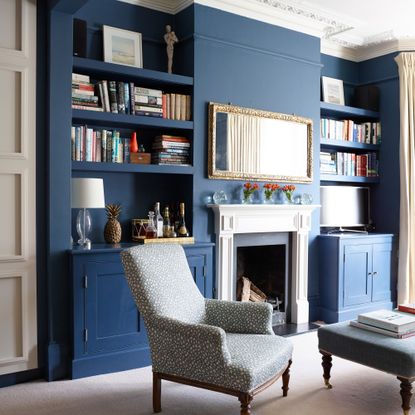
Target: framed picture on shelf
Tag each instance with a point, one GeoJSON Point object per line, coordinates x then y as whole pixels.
{"type": "Point", "coordinates": [333, 92]}
{"type": "Point", "coordinates": [122, 47]}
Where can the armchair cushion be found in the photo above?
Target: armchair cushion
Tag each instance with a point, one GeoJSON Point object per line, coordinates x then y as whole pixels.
{"type": "Point", "coordinates": [240, 317]}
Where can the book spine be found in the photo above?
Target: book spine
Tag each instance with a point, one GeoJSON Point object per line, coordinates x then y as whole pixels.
{"type": "Point", "coordinates": [107, 107]}
{"type": "Point", "coordinates": [126, 150]}
{"type": "Point", "coordinates": [78, 143]}
{"type": "Point", "coordinates": [79, 77]}
{"type": "Point", "coordinates": [104, 146]}
{"type": "Point", "coordinates": [120, 98]}
{"type": "Point", "coordinates": [132, 98]}
{"type": "Point", "coordinates": [73, 149]}
{"type": "Point", "coordinates": [109, 146]}
{"type": "Point", "coordinates": [406, 309]}
{"type": "Point", "coordinates": [127, 97]}
{"type": "Point", "coordinates": [98, 146]}
{"type": "Point", "coordinates": [188, 107]}
{"type": "Point", "coordinates": [147, 91]}
{"type": "Point", "coordinates": [113, 96]}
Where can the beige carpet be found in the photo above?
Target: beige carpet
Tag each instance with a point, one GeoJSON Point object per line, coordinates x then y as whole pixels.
{"type": "Point", "coordinates": [357, 390]}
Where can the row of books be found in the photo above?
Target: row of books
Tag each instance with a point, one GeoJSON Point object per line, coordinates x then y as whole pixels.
{"type": "Point", "coordinates": [349, 164]}
{"type": "Point", "coordinates": [399, 324]}
{"type": "Point", "coordinates": [88, 144]}
{"type": "Point", "coordinates": [120, 97]}
{"type": "Point", "coordinates": [169, 149]}
{"type": "Point", "coordinates": [349, 130]}
{"type": "Point", "coordinates": [99, 145]}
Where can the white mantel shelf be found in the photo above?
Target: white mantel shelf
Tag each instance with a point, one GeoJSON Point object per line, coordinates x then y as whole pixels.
{"type": "Point", "coordinates": [264, 218]}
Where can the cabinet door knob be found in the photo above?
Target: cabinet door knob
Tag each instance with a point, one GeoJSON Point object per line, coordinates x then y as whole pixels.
{"type": "Point", "coordinates": [375, 273]}
{"type": "Point", "coordinates": [369, 273]}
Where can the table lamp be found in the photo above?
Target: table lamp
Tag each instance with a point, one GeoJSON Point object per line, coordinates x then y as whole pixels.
{"type": "Point", "coordinates": [87, 194]}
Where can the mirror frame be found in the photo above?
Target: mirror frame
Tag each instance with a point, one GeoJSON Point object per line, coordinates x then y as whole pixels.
{"type": "Point", "coordinates": [213, 173]}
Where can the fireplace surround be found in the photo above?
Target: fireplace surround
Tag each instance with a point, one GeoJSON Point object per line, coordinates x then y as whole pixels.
{"type": "Point", "coordinates": [233, 219]}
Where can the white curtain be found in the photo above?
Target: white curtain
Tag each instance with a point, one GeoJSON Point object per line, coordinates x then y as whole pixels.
{"type": "Point", "coordinates": [406, 272]}
{"type": "Point", "coordinates": [243, 149]}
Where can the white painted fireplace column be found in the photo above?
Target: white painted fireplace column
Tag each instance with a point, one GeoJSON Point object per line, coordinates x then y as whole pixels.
{"type": "Point", "coordinates": [239, 219]}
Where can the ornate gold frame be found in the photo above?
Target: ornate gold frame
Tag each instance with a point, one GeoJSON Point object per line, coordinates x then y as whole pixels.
{"type": "Point", "coordinates": [213, 173]}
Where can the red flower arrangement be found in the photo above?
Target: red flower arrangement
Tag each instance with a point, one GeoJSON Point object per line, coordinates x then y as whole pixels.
{"type": "Point", "coordinates": [249, 190]}
{"type": "Point", "coordinates": [269, 189]}
{"type": "Point", "coordinates": [288, 189]}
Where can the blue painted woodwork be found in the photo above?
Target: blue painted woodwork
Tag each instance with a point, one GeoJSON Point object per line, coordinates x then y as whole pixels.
{"type": "Point", "coordinates": [106, 70]}
{"type": "Point", "coordinates": [133, 168]}
{"type": "Point", "coordinates": [356, 274]}
{"type": "Point", "coordinates": [341, 145]}
{"type": "Point", "coordinates": [346, 111]}
{"type": "Point", "coordinates": [108, 119]}
{"type": "Point", "coordinates": [348, 179]}
{"type": "Point", "coordinates": [107, 332]}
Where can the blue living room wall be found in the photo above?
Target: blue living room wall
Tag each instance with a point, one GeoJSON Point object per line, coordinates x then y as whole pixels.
{"type": "Point", "coordinates": [256, 65]}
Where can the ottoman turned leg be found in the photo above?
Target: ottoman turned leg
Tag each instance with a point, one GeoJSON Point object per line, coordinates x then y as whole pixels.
{"type": "Point", "coordinates": [406, 394]}
{"type": "Point", "coordinates": [326, 363]}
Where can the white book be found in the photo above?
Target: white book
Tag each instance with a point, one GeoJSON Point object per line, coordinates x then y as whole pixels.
{"type": "Point", "coordinates": [80, 77]}
{"type": "Point", "coordinates": [389, 320]}
{"type": "Point", "coordinates": [148, 91]}
{"type": "Point", "coordinates": [385, 332]}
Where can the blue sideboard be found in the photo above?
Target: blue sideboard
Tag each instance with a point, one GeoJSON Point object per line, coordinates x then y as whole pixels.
{"type": "Point", "coordinates": [108, 334]}
{"type": "Point", "coordinates": [356, 274]}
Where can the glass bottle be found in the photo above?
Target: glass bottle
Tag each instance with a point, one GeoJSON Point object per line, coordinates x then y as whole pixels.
{"type": "Point", "coordinates": [182, 230]}
{"type": "Point", "coordinates": [159, 220]}
{"type": "Point", "coordinates": [166, 222]}
{"type": "Point", "coordinates": [151, 231]}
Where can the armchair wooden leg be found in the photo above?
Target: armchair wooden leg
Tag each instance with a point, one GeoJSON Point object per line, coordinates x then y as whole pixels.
{"type": "Point", "coordinates": [245, 399]}
{"type": "Point", "coordinates": [406, 393]}
{"type": "Point", "coordinates": [286, 379]}
{"type": "Point", "coordinates": [156, 392]}
{"type": "Point", "coordinates": [326, 363]}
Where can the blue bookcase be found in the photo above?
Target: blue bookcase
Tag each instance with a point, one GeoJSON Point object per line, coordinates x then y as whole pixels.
{"type": "Point", "coordinates": [344, 112]}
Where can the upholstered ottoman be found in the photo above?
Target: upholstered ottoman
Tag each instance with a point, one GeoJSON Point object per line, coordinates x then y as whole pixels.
{"type": "Point", "coordinates": [395, 356]}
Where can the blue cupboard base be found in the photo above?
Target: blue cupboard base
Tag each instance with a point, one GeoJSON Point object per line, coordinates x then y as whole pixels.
{"type": "Point", "coordinates": [110, 362]}
{"type": "Point", "coordinates": [335, 316]}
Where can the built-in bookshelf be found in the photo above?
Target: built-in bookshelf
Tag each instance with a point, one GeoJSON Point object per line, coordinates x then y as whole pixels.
{"type": "Point", "coordinates": [349, 144]}
{"type": "Point", "coordinates": [163, 182]}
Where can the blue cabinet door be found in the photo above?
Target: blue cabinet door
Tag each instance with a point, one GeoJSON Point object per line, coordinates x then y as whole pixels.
{"type": "Point", "coordinates": [357, 274]}
{"type": "Point", "coordinates": [382, 272]}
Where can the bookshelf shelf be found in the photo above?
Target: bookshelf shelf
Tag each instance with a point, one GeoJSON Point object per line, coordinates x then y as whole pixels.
{"type": "Point", "coordinates": [109, 119]}
{"type": "Point", "coordinates": [347, 145]}
{"type": "Point", "coordinates": [86, 166]}
{"type": "Point", "coordinates": [122, 72]}
{"type": "Point", "coordinates": [348, 179]}
{"type": "Point", "coordinates": [346, 111]}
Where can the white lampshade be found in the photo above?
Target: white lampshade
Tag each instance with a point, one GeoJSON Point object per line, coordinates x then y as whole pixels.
{"type": "Point", "coordinates": [87, 193]}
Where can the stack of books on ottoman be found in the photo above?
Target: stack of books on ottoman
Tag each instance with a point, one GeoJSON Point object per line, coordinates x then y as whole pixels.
{"type": "Point", "coordinates": [388, 322]}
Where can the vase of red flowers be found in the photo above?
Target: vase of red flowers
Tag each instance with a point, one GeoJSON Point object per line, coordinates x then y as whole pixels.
{"type": "Point", "coordinates": [288, 191]}
{"type": "Point", "coordinates": [248, 191]}
{"type": "Point", "coordinates": [269, 190]}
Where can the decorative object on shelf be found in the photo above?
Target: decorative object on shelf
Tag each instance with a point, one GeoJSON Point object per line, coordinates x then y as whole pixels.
{"type": "Point", "coordinates": [246, 143]}
{"type": "Point", "coordinates": [288, 191]}
{"type": "Point", "coordinates": [133, 143]}
{"type": "Point", "coordinates": [248, 190]}
{"type": "Point", "coordinates": [140, 158]}
{"type": "Point", "coordinates": [122, 46]}
{"type": "Point", "coordinates": [138, 229]}
{"type": "Point", "coordinates": [181, 228]}
{"type": "Point", "coordinates": [220, 197]}
{"type": "Point", "coordinates": [166, 223]}
{"type": "Point", "coordinates": [112, 230]}
{"type": "Point", "coordinates": [170, 38]}
{"type": "Point", "coordinates": [170, 240]}
{"type": "Point", "coordinates": [303, 199]}
{"type": "Point", "coordinates": [87, 193]}
{"type": "Point", "coordinates": [332, 90]}
{"type": "Point", "coordinates": [151, 231]}
{"type": "Point", "coordinates": [269, 190]}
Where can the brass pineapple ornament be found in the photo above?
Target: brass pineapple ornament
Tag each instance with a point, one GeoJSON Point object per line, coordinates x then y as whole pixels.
{"type": "Point", "coordinates": [112, 230]}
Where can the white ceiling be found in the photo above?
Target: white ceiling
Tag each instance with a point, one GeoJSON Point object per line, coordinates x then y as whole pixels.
{"type": "Point", "coordinates": [352, 29]}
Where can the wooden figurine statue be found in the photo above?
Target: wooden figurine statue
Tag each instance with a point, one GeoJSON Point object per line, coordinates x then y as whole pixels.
{"type": "Point", "coordinates": [170, 38]}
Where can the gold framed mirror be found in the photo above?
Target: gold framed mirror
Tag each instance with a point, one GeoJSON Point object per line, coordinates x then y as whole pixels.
{"type": "Point", "coordinates": [251, 144]}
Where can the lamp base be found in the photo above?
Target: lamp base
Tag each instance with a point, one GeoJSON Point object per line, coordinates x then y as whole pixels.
{"type": "Point", "coordinates": [83, 227]}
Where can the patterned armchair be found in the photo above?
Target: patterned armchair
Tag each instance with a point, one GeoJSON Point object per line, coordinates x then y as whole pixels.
{"type": "Point", "coordinates": [224, 346]}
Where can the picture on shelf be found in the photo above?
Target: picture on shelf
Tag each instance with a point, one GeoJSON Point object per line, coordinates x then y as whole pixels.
{"type": "Point", "coordinates": [333, 92]}
{"type": "Point", "coordinates": [122, 47]}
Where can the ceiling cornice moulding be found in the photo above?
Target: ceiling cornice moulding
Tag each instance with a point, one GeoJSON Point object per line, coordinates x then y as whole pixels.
{"type": "Point", "coordinates": [334, 30]}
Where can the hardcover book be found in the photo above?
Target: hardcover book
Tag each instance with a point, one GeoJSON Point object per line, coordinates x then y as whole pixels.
{"type": "Point", "coordinates": [407, 308]}
{"type": "Point", "coordinates": [385, 332]}
{"type": "Point", "coordinates": [389, 320]}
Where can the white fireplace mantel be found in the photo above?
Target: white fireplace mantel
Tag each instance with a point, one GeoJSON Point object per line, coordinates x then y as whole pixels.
{"type": "Point", "coordinates": [241, 219]}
